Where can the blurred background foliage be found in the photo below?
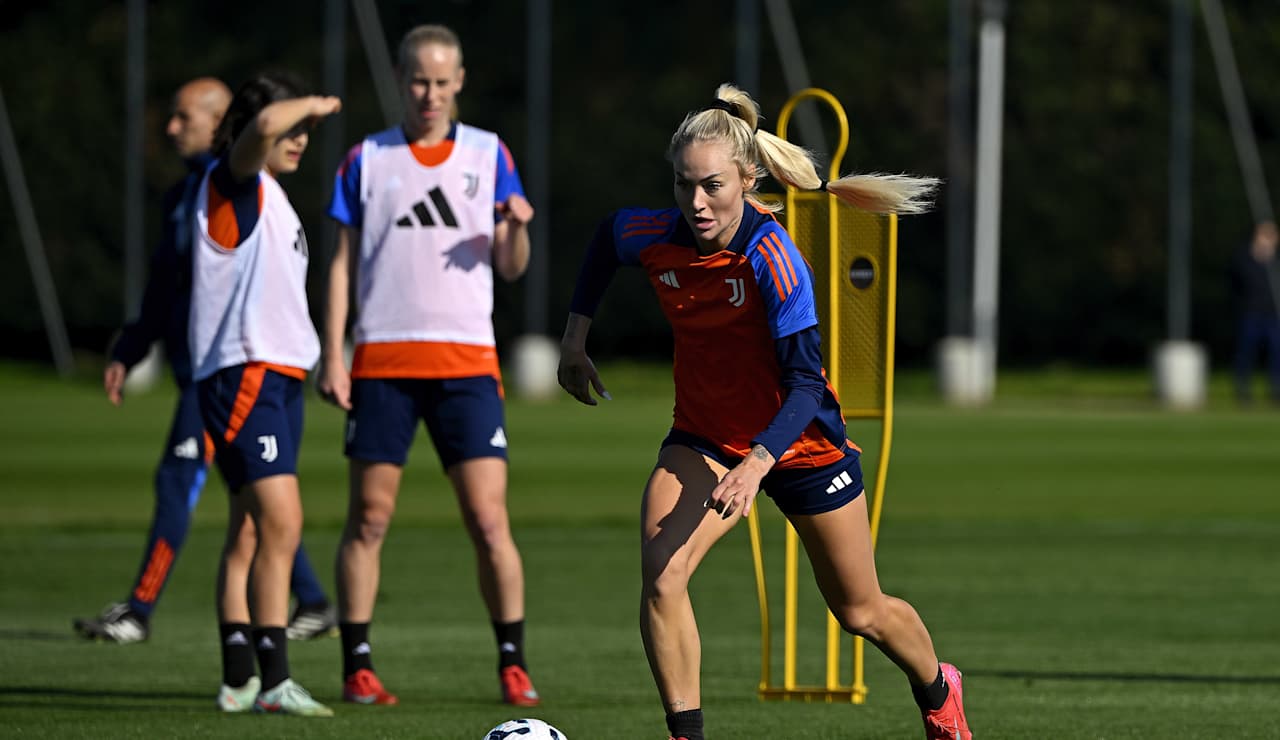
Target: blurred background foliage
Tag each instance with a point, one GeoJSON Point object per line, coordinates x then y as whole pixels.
{"type": "Point", "coordinates": [1084, 208]}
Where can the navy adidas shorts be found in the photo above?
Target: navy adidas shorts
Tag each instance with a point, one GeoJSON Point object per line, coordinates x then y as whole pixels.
{"type": "Point", "coordinates": [254, 416]}
{"type": "Point", "coordinates": [464, 417]}
{"type": "Point", "coordinates": [803, 491]}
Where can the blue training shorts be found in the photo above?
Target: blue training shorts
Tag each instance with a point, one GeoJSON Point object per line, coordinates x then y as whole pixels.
{"type": "Point", "coordinates": [254, 416]}
{"type": "Point", "coordinates": [804, 491]}
{"type": "Point", "coordinates": [464, 417]}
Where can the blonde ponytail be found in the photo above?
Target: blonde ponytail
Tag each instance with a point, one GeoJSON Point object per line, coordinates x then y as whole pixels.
{"type": "Point", "coordinates": [734, 118]}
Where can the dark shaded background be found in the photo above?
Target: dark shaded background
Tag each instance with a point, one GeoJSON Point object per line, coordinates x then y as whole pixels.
{"type": "Point", "coordinates": [1084, 209]}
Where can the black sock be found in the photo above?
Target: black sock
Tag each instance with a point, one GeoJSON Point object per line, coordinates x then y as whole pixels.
{"type": "Point", "coordinates": [510, 643]}
{"type": "Point", "coordinates": [932, 696]}
{"type": "Point", "coordinates": [686, 724]}
{"type": "Point", "coordinates": [356, 653]}
{"type": "Point", "coordinates": [272, 648]}
{"type": "Point", "coordinates": [237, 653]}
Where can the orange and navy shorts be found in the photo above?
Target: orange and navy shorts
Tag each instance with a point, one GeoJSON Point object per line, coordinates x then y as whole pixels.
{"type": "Point", "coordinates": [254, 415]}
{"type": "Point", "coordinates": [805, 491]}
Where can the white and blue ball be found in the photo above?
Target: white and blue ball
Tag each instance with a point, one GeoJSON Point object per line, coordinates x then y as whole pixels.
{"type": "Point", "coordinates": [525, 729]}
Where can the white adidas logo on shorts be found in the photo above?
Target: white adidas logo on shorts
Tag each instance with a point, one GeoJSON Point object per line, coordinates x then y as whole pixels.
{"type": "Point", "coordinates": [839, 482]}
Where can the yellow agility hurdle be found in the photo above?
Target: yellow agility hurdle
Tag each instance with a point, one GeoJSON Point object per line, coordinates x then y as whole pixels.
{"type": "Point", "coordinates": [854, 255]}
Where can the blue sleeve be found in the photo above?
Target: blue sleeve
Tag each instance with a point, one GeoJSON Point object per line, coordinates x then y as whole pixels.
{"type": "Point", "coordinates": [598, 267]}
{"type": "Point", "coordinates": [160, 294]}
{"type": "Point", "coordinates": [345, 206]}
{"type": "Point", "coordinates": [507, 183]}
{"type": "Point", "coordinates": [785, 281]}
{"type": "Point", "coordinates": [800, 359]}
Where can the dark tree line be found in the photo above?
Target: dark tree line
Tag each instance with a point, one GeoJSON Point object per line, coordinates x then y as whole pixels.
{"type": "Point", "coordinates": [1084, 209]}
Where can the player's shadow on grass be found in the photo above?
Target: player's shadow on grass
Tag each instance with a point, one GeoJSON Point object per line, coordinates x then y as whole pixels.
{"type": "Point", "coordinates": [28, 635]}
{"type": "Point", "coordinates": [1120, 676]}
{"type": "Point", "coordinates": [97, 700]}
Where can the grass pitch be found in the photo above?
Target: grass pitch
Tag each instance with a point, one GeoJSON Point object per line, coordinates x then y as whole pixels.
{"type": "Point", "coordinates": [1097, 568]}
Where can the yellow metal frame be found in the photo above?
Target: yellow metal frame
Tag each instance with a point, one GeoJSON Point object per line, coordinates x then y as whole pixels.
{"type": "Point", "coordinates": [832, 690]}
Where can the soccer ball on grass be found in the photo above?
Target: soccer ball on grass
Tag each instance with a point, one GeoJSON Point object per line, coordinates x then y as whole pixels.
{"type": "Point", "coordinates": [524, 729]}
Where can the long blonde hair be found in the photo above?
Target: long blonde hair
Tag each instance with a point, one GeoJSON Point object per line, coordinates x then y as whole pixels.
{"type": "Point", "coordinates": [735, 119]}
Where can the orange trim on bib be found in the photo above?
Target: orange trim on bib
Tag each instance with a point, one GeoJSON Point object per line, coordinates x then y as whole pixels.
{"type": "Point", "coordinates": [424, 360]}
{"type": "Point", "coordinates": [285, 370]}
{"type": "Point", "coordinates": [430, 156]}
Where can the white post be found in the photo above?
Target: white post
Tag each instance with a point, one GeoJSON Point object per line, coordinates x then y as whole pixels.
{"type": "Point", "coordinates": [986, 233]}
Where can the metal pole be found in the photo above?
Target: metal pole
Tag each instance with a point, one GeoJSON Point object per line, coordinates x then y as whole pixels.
{"type": "Point", "coordinates": [1180, 98]}
{"type": "Point", "coordinates": [986, 235]}
{"type": "Point", "coordinates": [135, 102]}
{"type": "Point", "coordinates": [1224, 59]}
{"type": "Point", "coordinates": [335, 83]}
{"type": "Point", "coordinates": [380, 66]}
{"type": "Point", "coordinates": [539, 159]}
{"type": "Point", "coordinates": [41, 278]}
{"type": "Point", "coordinates": [796, 73]}
{"type": "Point", "coordinates": [747, 37]}
{"type": "Point", "coordinates": [960, 169]}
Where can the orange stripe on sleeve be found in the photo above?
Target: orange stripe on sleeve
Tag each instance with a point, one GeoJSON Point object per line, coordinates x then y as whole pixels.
{"type": "Point", "coordinates": [777, 284]}
{"type": "Point", "coordinates": [250, 386]}
{"type": "Point", "coordinates": [208, 448]}
{"type": "Point", "coordinates": [780, 257]}
{"type": "Point", "coordinates": [640, 231]}
{"type": "Point", "coordinates": [224, 227]}
{"type": "Point", "coordinates": [506, 157]}
{"type": "Point", "coordinates": [786, 259]}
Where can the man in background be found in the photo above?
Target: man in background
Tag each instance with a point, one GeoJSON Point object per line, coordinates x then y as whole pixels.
{"type": "Point", "coordinates": [1253, 283]}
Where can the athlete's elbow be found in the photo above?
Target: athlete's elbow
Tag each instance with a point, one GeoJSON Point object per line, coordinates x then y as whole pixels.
{"type": "Point", "coordinates": [511, 272]}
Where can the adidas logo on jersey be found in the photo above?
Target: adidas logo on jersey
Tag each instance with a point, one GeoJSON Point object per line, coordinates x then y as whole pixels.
{"type": "Point", "coordinates": [669, 278]}
{"type": "Point", "coordinates": [187, 449]}
{"type": "Point", "coordinates": [499, 439]}
{"type": "Point", "coordinates": [300, 243]}
{"type": "Point", "coordinates": [423, 214]}
{"type": "Point", "coordinates": [840, 481]}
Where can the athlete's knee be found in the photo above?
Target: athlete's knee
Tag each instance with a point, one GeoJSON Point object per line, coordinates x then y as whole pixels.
{"type": "Point", "coordinates": [241, 542]}
{"type": "Point", "coordinates": [864, 619]}
{"type": "Point", "coordinates": [663, 573]}
{"type": "Point", "coordinates": [489, 528]}
{"type": "Point", "coordinates": [369, 524]}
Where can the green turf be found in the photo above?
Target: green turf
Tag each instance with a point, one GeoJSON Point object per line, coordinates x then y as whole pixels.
{"type": "Point", "coordinates": [1097, 567]}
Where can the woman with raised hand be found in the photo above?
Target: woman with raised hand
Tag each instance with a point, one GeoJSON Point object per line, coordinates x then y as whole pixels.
{"type": "Point", "coordinates": [252, 344]}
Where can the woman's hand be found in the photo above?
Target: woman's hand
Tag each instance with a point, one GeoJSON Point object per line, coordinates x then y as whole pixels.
{"type": "Point", "coordinates": [738, 489]}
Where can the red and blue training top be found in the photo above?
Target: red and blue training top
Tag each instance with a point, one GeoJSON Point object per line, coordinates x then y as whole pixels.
{"type": "Point", "coordinates": [748, 361]}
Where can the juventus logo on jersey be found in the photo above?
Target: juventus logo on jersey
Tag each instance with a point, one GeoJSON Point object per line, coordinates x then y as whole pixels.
{"type": "Point", "coordinates": [423, 213]}
{"type": "Point", "coordinates": [473, 184]}
{"type": "Point", "coordinates": [669, 278]}
{"type": "Point", "coordinates": [270, 450]}
{"type": "Point", "coordinates": [739, 296]}
{"type": "Point", "coordinates": [300, 243]}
